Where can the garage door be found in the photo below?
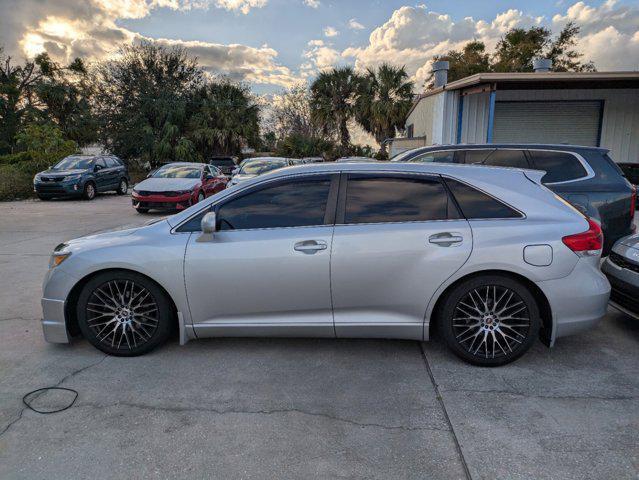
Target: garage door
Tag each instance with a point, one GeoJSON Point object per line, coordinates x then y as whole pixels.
{"type": "Point", "coordinates": [576, 123]}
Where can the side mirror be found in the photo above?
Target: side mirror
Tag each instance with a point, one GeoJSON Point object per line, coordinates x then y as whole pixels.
{"type": "Point", "coordinates": [209, 223]}
{"type": "Point", "coordinates": [96, 168]}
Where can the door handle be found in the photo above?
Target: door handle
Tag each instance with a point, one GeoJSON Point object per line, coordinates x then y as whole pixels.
{"type": "Point", "coordinates": [310, 246]}
{"type": "Point", "coordinates": [445, 239]}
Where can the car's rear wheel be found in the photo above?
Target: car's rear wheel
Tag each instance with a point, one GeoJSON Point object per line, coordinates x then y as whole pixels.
{"type": "Point", "coordinates": [489, 320]}
{"type": "Point", "coordinates": [89, 191]}
{"type": "Point", "coordinates": [124, 313]}
{"type": "Point", "coordinates": [123, 187]}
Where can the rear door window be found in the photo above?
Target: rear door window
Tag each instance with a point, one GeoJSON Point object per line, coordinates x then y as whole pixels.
{"type": "Point", "coordinates": [435, 157]}
{"type": "Point", "coordinates": [476, 204]}
{"type": "Point", "coordinates": [507, 158]}
{"type": "Point", "coordinates": [475, 156]}
{"type": "Point", "coordinates": [559, 166]}
{"type": "Point", "coordinates": [381, 198]}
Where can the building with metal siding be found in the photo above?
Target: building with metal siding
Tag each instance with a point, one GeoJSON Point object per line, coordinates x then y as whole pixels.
{"type": "Point", "coordinates": [598, 108]}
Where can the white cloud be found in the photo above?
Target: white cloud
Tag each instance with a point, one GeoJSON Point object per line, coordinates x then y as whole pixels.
{"type": "Point", "coordinates": [413, 35]}
{"type": "Point", "coordinates": [355, 25]}
{"type": "Point", "coordinates": [243, 6]}
{"type": "Point", "coordinates": [330, 32]}
{"type": "Point", "coordinates": [319, 56]}
{"type": "Point", "coordinates": [90, 30]}
{"type": "Point", "coordinates": [312, 3]}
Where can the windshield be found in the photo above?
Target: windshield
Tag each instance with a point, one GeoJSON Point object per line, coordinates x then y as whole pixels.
{"type": "Point", "coordinates": [178, 171]}
{"type": "Point", "coordinates": [258, 167]}
{"type": "Point", "coordinates": [223, 162]}
{"type": "Point", "coordinates": [70, 163]}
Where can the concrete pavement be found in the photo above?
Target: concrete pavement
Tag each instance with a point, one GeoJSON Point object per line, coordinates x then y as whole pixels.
{"type": "Point", "coordinates": [297, 408]}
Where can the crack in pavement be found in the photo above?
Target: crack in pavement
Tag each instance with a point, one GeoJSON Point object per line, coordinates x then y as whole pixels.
{"type": "Point", "coordinates": [443, 406]}
{"type": "Point", "coordinates": [257, 412]}
{"type": "Point", "coordinates": [65, 378]}
{"type": "Point", "coordinates": [533, 395]}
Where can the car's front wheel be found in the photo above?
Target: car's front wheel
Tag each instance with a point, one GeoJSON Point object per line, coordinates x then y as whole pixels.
{"type": "Point", "coordinates": [89, 191]}
{"type": "Point", "coordinates": [123, 187]}
{"type": "Point", "coordinates": [124, 313]}
{"type": "Point", "coordinates": [489, 320]}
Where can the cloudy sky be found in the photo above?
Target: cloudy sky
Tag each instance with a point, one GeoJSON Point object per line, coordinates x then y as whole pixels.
{"type": "Point", "coordinates": [273, 44]}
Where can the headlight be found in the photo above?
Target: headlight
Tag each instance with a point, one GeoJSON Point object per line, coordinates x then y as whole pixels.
{"type": "Point", "coordinates": [71, 177]}
{"type": "Point", "coordinates": [36, 178]}
{"type": "Point", "coordinates": [59, 255]}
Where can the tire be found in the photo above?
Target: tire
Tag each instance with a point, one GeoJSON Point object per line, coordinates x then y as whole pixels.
{"type": "Point", "coordinates": [89, 191]}
{"type": "Point", "coordinates": [111, 299]}
{"type": "Point", "coordinates": [142, 210]}
{"type": "Point", "coordinates": [491, 335]}
{"type": "Point", "coordinates": [123, 187]}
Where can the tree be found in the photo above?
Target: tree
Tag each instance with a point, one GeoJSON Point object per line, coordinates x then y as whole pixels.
{"type": "Point", "coordinates": [333, 98]}
{"type": "Point", "coordinates": [516, 51]}
{"type": "Point", "coordinates": [468, 61]}
{"type": "Point", "coordinates": [145, 98]}
{"type": "Point", "coordinates": [291, 114]}
{"type": "Point", "coordinates": [226, 118]}
{"type": "Point", "coordinates": [385, 97]}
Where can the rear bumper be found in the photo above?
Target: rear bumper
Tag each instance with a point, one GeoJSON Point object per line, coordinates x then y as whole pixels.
{"type": "Point", "coordinates": [579, 301]}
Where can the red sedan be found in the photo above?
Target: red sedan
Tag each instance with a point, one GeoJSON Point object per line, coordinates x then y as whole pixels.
{"type": "Point", "coordinates": [177, 186]}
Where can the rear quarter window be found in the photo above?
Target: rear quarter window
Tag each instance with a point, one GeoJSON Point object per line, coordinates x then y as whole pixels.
{"type": "Point", "coordinates": [559, 166]}
{"type": "Point", "coordinates": [476, 204]}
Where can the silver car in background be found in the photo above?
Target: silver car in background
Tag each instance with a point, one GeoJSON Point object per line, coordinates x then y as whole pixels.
{"type": "Point", "coordinates": [487, 255]}
{"type": "Point", "coordinates": [622, 269]}
{"type": "Point", "coordinates": [252, 167]}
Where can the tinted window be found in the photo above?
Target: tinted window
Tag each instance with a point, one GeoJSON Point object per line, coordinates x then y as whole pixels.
{"type": "Point", "coordinates": [223, 162]}
{"type": "Point", "coordinates": [436, 157]}
{"type": "Point", "coordinates": [101, 162]}
{"type": "Point", "coordinates": [507, 158]}
{"type": "Point", "coordinates": [387, 199]}
{"type": "Point", "coordinates": [476, 204]}
{"type": "Point", "coordinates": [476, 156]}
{"type": "Point", "coordinates": [559, 166]}
{"type": "Point", "coordinates": [111, 162]}
{"type": "Point", "coordinates": [296, 203]}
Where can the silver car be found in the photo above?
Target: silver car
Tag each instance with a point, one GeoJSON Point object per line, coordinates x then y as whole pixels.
{"type": "Point", "coordinates": [622, 269]}
{"type": "Point", "coordinates": [488, 255]}
{"type": "Point", "coordinates": [252, 167]}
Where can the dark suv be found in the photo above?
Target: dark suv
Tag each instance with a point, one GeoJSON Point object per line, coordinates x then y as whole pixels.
{"type": "Point", "coordinates": [585, 176]}
{"type": "Point", "coordinates": [82, 176]}
{"type": "Point", "coordinates": [225, 164]}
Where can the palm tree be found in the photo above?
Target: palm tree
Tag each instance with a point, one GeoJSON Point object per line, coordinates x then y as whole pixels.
{"type": "Point", "coordinates": [384, 99]}
{"type": "Point", "coordinates": [333, 98]}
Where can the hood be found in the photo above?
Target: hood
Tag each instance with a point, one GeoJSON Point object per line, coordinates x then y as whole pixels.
{"type": "Point", "coordinates": [631, 241]}
{"type": "Point", "coordinates": [62, 173]}
{"type": "Point", "coordinates": [167, 184]}
{"type": "Point", "coordinates": [241, 177]}
{"type": "Point", "coordinates": [111, 237]}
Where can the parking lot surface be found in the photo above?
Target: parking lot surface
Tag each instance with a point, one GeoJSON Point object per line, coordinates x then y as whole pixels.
{"type": "Point", "coordinates": [297, 408]}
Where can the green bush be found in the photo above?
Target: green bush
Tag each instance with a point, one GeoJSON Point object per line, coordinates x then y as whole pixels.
{"type": "Point", "coordinates": [43, 146]}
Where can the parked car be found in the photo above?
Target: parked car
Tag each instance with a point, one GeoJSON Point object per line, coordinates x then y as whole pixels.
{"type": "Point", "coordinates": [251, 168]}
{"type": "Point", "coordinates": [82, 176]}
{"type": "Point", "coordinates": [487, 255]}
{"type": "Point", "coordinates": [622, 269]}
{"type": "Point", "coordinates": [312, 159]}
{"type": "Point", "coordinates": [584, 176]}
{"type": "Point", "coordinates": [226, 165]}
{"type": "Point", "coordinates": [176, 186]}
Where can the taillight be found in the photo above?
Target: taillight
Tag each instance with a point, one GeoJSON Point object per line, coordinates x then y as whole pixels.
{"type": "Point", "coordinates": [588, 243]}
{"type": "Point", "coordinates": [633, 202]}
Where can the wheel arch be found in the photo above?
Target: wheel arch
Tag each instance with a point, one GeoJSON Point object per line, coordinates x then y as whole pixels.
{"type": "Point", "coordinates": [545, 310]}
{"type": "Point", "coordinates": [70, 313]}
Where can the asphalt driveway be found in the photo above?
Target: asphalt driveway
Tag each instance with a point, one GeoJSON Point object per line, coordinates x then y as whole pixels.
{"type": "Point", "coordinates": [296, 408]}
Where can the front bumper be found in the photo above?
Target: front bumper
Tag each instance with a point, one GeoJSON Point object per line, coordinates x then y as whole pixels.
{"type": "Point", "coordinates": [624, 279]}
{"type": "Point", "coordinates": [56, 287]}
{"type": "Point", "coordinates": [161, 202]}
{"type": "Point", "coordinates": [58, 188]}
{"type": "Point", "coordinates": [579, 301]}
